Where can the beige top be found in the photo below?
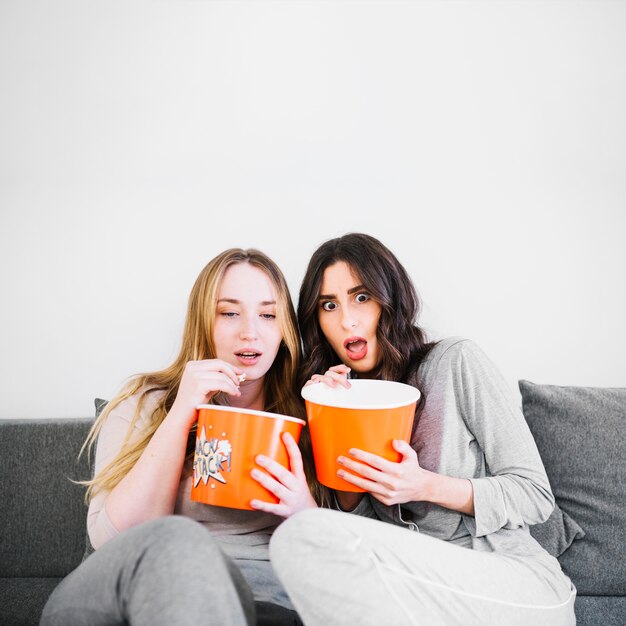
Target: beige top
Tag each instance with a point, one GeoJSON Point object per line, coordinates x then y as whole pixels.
{"type": "Point", "coordinates": [244, 534]}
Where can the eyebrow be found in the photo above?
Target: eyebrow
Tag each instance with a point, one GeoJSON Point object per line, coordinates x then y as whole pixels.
{"type": "Point", "coordinates": [234, 301]}
{"type": "Point", "coordinates": [330, 296]}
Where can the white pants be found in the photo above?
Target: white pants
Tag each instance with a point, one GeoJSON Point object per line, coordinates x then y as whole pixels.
{"type": "Point", "coordinates": [340, 568]}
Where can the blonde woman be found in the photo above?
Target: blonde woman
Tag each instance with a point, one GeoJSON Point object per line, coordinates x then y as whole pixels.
{"type": "Point", "coordinates": [159, 557]}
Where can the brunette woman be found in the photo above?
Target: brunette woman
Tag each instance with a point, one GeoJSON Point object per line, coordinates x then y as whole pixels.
{"type": "Point", "coordinates": [442, 537]}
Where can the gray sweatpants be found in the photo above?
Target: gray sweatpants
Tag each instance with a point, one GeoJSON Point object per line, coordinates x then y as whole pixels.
{"type": "Point", "coordinates": [340, 568]}
{"type": "Point", "coordinates": [167, 571]}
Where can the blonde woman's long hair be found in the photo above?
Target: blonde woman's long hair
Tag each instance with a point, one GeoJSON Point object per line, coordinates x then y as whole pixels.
{"type": "Point", "coordinates": [281, 394]}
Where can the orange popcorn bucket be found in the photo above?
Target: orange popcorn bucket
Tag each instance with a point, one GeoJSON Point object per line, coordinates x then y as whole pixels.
{"type": "Point", "coordinates": [227, 442]}
{"type": "Point", "coordinates": [368, 416]}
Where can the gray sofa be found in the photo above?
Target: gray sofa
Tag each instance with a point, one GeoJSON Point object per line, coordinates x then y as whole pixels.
{"type": "Point", "coordinates": [581, 434]}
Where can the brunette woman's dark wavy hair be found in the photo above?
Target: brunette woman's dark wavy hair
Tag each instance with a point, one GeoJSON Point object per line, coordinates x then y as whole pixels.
{"type": "Point", "coordinates": [403, 343]}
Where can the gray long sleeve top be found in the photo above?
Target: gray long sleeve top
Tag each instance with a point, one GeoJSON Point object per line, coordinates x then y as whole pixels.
{"type": "Point", "coordinates": [471, 427]}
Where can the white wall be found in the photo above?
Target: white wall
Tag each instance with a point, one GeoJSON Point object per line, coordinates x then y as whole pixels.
{"type": "Point", "coordinates": [139, 139]}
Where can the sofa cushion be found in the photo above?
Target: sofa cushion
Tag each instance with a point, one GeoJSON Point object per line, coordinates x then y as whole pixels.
{"type": "Point", "coordinates": [581, 436]}
{"type": "Point", "coordinates": [42, 517]}
{"type": "Point", "coordinates": [558, 532]}
{"type": "Point", "coordinates": [600, 610]}
{"type": "Point", "coordinates": [22, 599]}
{"type": "Point", "coordinates": [100, 403]}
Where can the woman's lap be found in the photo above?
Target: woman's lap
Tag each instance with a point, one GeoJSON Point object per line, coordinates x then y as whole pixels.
{"type": "Point", "coordinates": [349, 569]}
{"type": "Point", "coordinates": [165, 571]}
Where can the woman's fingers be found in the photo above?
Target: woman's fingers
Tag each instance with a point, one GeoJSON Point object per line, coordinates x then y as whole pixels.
{"type": "Point", "coordinates": [210, 379]}
{"type": "Point", "coordinates": [269, 507]}
{"type": "Point", "coordinates": [330, 378]}
{"type": "Point", "coordinates": [232, 372]}
{"type": "Point", "coordinates": [373, 460]}
{"type": "Point", "coordinates": [270, 483]}
{"type": "Point", "coordinates": [295, 456]}
{"type": "Point", "coordinates": [369, 473]}
{"type": "Point", "coordinates": [340, 369]}
{"type": "Point", "coordinates": [282, 475]}
{"type": "Point", "coordinates": [389, 482]}
{"type": "Point", "coordinates": [200, 381]}
{"type": "Point", "coordinates": [339, 378]}
{"type": "Point", "coordinates": [203, 379]}
{"type": "Point", "coordinates": [290, 487]}
{"type": "Point", "coordinates": [358, 481]}
{"type": "Point", "coordinates": [335, 375]}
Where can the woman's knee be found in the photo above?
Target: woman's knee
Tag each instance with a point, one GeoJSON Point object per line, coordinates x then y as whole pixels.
{"type": "Point", "coordinates": [305, 535]}
{"type": "Point", "coordinates": [171, 526]}
{"type": "Point", "coordinates": [176, 534]}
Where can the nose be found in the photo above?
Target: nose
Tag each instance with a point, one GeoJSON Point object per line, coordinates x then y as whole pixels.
{"type": "Point", "coordinates": [348, 321]}
{"type": "Point", "coordinates": [248, 329]}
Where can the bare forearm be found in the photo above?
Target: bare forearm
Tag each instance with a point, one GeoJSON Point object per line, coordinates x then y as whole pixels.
{"type": "Point", "coordinates": [149, 490]}
{"type": "Point", "coordinates": [452, 493]}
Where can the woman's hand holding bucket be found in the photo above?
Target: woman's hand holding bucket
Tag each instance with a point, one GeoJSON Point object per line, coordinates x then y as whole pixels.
{"type": "Point", "coordinates": [389, 482]}
{"type": "Point", "coordinates": [406, 481]}
{"type": "Point", "coordinates": [232, 443]}
{"type": "Point", "coordinates": [290, 487]}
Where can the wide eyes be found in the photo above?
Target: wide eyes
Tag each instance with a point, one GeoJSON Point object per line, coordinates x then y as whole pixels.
{"type": "Point", "coordinates": [330, 305]}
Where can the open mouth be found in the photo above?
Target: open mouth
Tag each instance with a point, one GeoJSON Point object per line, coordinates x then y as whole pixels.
{"type": "Point", "coordinates": [248, 355]}
{"type": "Point", "coordinates": [356, 348]}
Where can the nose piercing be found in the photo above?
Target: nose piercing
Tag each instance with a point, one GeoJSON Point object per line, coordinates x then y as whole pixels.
{"type": "Point", "coordinates": [353, 324]}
